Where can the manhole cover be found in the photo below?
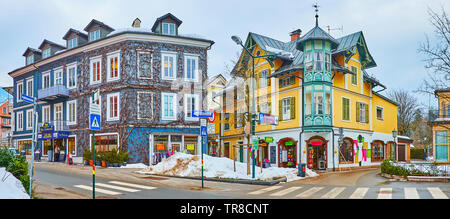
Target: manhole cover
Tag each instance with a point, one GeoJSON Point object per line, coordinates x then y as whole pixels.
{"type": "Point", "coordinates": [155, 178]}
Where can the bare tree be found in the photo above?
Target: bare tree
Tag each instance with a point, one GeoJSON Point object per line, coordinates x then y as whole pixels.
{"type": "Point", "coordinates": [406, 110]}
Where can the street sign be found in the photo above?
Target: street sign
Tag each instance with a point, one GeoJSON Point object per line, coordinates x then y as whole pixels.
{"type": "Point", "coordinates": [203, 131]}
{"type": "Point", "coordinates": [255, 143]}
{"type": "Point", "coordinates": [202, 113]}
{"type": "Point", "coordinates": [27, 98]}
{"type": "Point", "coordinates": [267, 119]}
{"type": "Point", "coordinates": [211, 119]}
{"type": "Point", "coordinates": [94, 122]}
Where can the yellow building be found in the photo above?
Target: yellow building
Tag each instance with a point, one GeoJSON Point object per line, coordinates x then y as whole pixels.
{"type": "Point", "coordinates": [440, 120]}
{"type": "Point", "coordinates": [316, 103]}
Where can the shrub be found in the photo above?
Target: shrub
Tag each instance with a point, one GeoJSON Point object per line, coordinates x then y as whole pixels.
{"type": "Point", "coordinates": [87, 155]}
{"type": "Point", "coordinates": [17, 166]}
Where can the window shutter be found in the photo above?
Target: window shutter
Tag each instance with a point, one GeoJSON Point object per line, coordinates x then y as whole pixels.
{"type": "Point", "coordinates": [269, 106]}
{"type": "Point", "coordinates": [367, 113]}
{"type": "Point", "coordinates": [280, 110]}
{"type": "Point", "coordinates": [292, 107]}
{"type": "Point", "coordinates": [357, 112]}
{"type": "Point", "coordinates": [292, 80]}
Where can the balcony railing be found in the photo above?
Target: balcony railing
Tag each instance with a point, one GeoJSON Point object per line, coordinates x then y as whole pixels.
{"type": "Point", "coordinates": [439, 116]}
{"type": "Point", "coordinates": [55, 125]}
{"type": "Point", "coordinates": [52, 93]}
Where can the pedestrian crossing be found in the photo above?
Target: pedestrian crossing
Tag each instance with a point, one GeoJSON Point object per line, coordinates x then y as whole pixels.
{"type": "Point", "coordinates": [115, 187]}
{"type": "Point", "coordinates": [331, 192]}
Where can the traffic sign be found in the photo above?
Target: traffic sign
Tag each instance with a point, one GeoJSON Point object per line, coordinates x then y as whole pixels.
{"type": "Point", "coordinates": [203, 131]}
{"type": "Point", "coordinates": [27, 98]}
{"type": "Point", "coordinates": [202, 113]}
{"type": "Point", "coordinates": [213, 117]}
{"type": "Point", "coordinates": [94, 122]}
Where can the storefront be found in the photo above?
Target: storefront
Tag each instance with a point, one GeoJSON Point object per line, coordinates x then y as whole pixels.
{"type": "Point", "coordinates": [24, 146]}
{"type": "Point", "coordinates": [190, 144]}
{"type": "Point", "coordinates": [317, 153]}
{"type": "Point", "coordinates": [163, 146]}
{"type": "Point", "coordinates": [263, 152]}
{"type": "Point", "coordinates": [287, 149]}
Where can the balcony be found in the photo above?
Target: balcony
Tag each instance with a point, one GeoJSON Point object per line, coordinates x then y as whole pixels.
{"type": "Point", "coordinates": [53, 93]}
{"type": "Point", "coordinates": [439, 117]}
{"type": "Point", "coordinates": [55, 125]}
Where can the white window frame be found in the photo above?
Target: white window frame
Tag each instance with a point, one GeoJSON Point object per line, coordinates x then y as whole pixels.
{"type": "Point", "coordinates": [363, 115]}
{"type": "Point", "coordinates": [174, 65]}
{"type": "Point", "coordinates": [196, 106]}
{"type": "Point", "coordinates": [169, 25]}
{"type": "Point", "coordinates": [29, 123]}
{"type": "Point", "coordinates": [286, 109]}
{"type": "Point", "coordinates": [55, 118]}
{"type": "Point", "coordinates": [138, 65]}
{"type": "Point", "coordinates": [349, 109]}
{"type": "Point", "coordinates": [174, 106]}
{"type": "Point", "coordinates": [19, 121]}
{"type": "Point", "coordinates": [55, 72]}
{"type": "Point", "coordinates": [19, 94]}
{"type": "Point", "coordinates": [263, 79]}
{"type": "Point", "coordinates": [44, 108]}
{"type": "Point", "coordinates": [28, 80]}
{"type": "Point", "coordinates": [72, 43]}
{"type": "Point", "coordinates": [46, 74]}
{"type": "Point", "coordinates": [46, 53]}
{"type": "Point", "coordinates": [196, 70]}
{"type": "Point", "coordinates": [382, 113]}
{"type": "Point", "coordinates": [108, 107]}
{"type": "Point", "coordinates": [68, 116]}
{"type": "Point", "coordinates": [115, 54]}
{"type": "Point", "coordinates": [72, 66]}
{"type": "Point", "coordinates": [93, 35]}
{"type": "Point", "coordinates": [149, 105]}
{"type": "Point", "coordinates": [91, 68]}
{"type": "Point", "coordinates": [30, 59]}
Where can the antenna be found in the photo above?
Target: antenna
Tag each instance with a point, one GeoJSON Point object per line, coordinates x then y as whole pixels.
{"type": "Point", "coordinates": [339, 28]}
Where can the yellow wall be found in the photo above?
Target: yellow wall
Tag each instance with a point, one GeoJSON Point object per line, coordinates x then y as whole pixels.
{"type": "Point", "coordinates": [389, 122]}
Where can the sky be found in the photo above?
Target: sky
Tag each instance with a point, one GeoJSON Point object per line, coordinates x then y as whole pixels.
{"type": "Point", "coordinates": [393, 29]}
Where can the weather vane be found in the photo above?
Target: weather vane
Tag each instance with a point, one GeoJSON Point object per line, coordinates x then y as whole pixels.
{"type": "Point", "coordinates": [316, 6]}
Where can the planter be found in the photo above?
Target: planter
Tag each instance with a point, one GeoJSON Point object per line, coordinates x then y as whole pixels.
{"type": "Point", "coordinates": [104, 164]}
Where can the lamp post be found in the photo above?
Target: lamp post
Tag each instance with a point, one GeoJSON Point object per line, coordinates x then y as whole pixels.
{"type": "Point", "coordinates": [238, 41]}
{"type": "Point", "coordinates": [394, 134]}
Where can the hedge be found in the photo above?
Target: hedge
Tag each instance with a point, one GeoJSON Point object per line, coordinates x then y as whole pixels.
{"type": "Point", "coordinates": [417, 153]}
{"type": "Point", "coordinates": [17, 166]}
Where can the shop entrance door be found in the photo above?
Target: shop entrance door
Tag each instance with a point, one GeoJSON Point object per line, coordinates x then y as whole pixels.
{"type": "Point", "coordinates": [175, 148]}
{"type": "Point", "coordinates": [317, 154]}
{"type": "Point", "coordinates": [401, 152]}
{"type": "Point", "coordinates": [287, 149]}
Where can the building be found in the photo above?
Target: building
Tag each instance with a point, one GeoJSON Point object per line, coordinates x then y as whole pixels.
{"type": "Point", "coordinates": [149, 79]}
{"type": "Point", "coordinates": [323, 107]}
{"type": "Point", "coordinates": [5, 123]}
{"type": "Point", "coordinates": [440, 122]}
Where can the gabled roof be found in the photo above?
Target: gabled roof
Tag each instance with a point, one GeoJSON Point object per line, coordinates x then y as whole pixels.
{"type": "Point", "coordinates": [50, 43]}
{"type": "Point", "coordinates": [210, 80]}
{"type": "Point", "coordinates": [93, 21]}
{"type": "Point", "coordinates": [168, 15]}
{"type": "Point", "coordinates": [317, 34]}
{"type": "Point", "coordinates": [32, 50]}
{"type": "Point", "coordinates": [356, 40]}
{"type": "Point", "coordinates": [81, 34]}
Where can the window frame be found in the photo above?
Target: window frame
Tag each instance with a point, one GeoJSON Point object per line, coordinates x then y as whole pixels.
{"type": "Point", "coordinates": [149, 105]}
{"type": "Point", "coordinates": [263, 79]}
{"type": "Point", "coordinates": [169, 25]}
{"type": "Point", "coordinates": [195, 73]}
{"type": "Point", "coordinates": [382, 113]}
{"type": "Point", "coordinates": [108, 107]}
{"type": "Point", "coordinates": [174, 106]}
{"type": "Point", "coordinates": [355, 76]}
{"type": "Point", "coordinates": [68, 68]}
{"type": "Point", "coordinates": [174, 65]}
{"type": "Point", "coordinates": [109, 56]}
{"type": "Point", "coordinates": [28, 80]}
{"type": "Point", "coordinates": [97, 59]}
{"type": "Point", "coordinates": [196, 106]}
{"type": "Point", "coordinates": [19, 94]}
{"type": "Point", "coordinates": [55, 74]}
{"type": "Point", "coordinates": [55, 118]}
{"type": "Point", "coordinates": [46, 53]}
{"type": "Point", "coordinates": [44, 114]}
{"type": "Point", "coordinates": [363, 115]}
{"type": "Point", "coordinates": [29, 126]}
{"type": "Point", "coordinates": [46, 74]}
{"type": "Point", "coordinates": [68, 116]}
{"type": "Point", "coordinates": [19, 122]}
{"type": "Point", "coordinates": [286, 108]}
{"type": "Point", "coordinates": [72, 43]}
{"type": "Point", "coordinates": [95, 35]}
{"type": "Point", "coordinates": [30, 59]}
{"type": "Point", "coordinates": [138, 64]}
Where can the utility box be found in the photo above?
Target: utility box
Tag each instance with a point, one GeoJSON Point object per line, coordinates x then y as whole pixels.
{"type": "Point", "coordinates": [302, 169]}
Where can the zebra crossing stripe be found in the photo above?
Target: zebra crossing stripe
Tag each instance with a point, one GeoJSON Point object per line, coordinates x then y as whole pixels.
{"type": "Point", "coordinates": [117, 187]}
{"type": "Point", "coordinates": [286, 191]}
{"type": "Point", "coordinates": [132, 185]}
{"type": "Point", "coordinates": [359, 193]}
{"type": "Point", "coordinates": [309, 192]}
{"type": "Point", "coordinates": [257, 192]}
{"type": "Point", "coordinates": [437, 193]}
{"type": "Point", "coordinates": [385, 193]}
{"type": "Point", "coordinates": [411, 193]}
{"type": "Point", "coordinates": [104, 191]}
{"type": "Point", "coordinates": [334, 192]}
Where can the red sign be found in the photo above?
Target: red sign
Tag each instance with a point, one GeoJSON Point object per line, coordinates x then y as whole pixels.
{"type": "Point", "coordinates": [211, 119]}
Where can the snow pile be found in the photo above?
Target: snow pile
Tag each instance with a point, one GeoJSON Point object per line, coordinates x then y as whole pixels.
{"type": "Point", "coordinates": [135, 165]}
{"type": "Point", "coordinates": [11, 187]}
{"type": "Point", "coordinates": [181, 164]}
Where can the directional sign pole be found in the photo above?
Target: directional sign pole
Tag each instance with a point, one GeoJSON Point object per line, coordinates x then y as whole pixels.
{"type": "Point", "coordinates": [32, 145]}
{"type": "Point", "coordinates": [93, 155]}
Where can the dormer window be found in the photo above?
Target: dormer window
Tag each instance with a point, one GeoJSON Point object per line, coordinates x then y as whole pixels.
{"type": "Point", "coordinates": [168, 29]}
{"type": "Point", "coordinates": [94, 35]}
{"type": "Point", "coordinates": [30, 59]}
{"type": "Point", "coordinates": [72, 43]}
{"type": "Point", "coordinates": [46, 53]}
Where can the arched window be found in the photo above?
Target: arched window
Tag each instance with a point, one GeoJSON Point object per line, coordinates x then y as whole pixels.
{"type": "Point", "coordinates": [377, 151]}
{"type": "Point", "coordinates": [346, 151]}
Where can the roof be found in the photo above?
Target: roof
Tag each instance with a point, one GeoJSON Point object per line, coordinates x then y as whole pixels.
{"type": "Point", "coordinates": [356, 40]}
{"type": "Point", "coordinates": [168, 15]}
{"type": "Point", "coordinates": [317, 33]}
{"type": "Point", "coordinates": [443, 90]}
{"type": "Point", "coordinates": [32, 50]}
{"type": "Point", "coordinates": [212, 79]}
{"type": "Point", "coordinates": [51, 43]}
{"type": "Point", "coordinates": [93, 21]}
{"type": "Point", "coordinates": [75, 31]}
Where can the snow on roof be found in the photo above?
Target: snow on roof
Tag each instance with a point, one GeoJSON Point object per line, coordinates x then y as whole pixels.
{"type": "Point", "coordinates": [149, 31]}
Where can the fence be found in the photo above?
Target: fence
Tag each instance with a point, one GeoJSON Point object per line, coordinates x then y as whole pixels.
{"type": "Point", "coordinates": [431, 169]}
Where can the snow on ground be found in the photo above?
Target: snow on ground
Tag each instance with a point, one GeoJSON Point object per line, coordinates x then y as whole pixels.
{"type": "Point", "coordinates": [11, 187]}
{"type": "Point", "coordinates": [181, 164]}
{"type": "Point", "coordinates": [135, 165]}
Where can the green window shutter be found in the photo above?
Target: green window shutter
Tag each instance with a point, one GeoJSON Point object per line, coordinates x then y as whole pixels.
{"type": "Point", "coordinates": [292, 80]}
{"type": "Point", "coordinates": [357, 112]}
{"type": "Point", "coordinates": [269, 106]}
{"type": "Point", "coordinates": [280, 112]}
{"type": "Point", "coordinates": [367, 113]}
{"type": "Point", "coordinates": [292, 107]}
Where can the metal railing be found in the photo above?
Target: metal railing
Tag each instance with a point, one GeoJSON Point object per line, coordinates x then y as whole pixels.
{"type": "Point", "coordinates": [53, 92]}
{"type": "Point", "coordinates": [430, 169]}
{"type": "Point", "coordinates": [58, 125]}
{"type": "Point", "coordinates": [438, 116]}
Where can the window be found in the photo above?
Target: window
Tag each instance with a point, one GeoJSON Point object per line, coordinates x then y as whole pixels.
{"type": "Point", "coordinates": [46, 113]}
{"type": "Point", "coordinates": [318, 100]}
{"type": "Point", "coordinates": [95, 35]}
{"type": "Point", "coordinates": [377, 151]}
{"type": "Point", "coordinates": [362, 112]}
{"type": "Point", "coordinates": [442, 146]}
{"type": "Point", "coordinates": [58, 77]}
{"type": "Point", "coordinates": [113, 107]}
{"type": "Point", "coordinates": [380, 114]}
{"type": "Point", "coordinates": [264, 107]}
{"type": "Point", "coordinates": [113, 66]}
{"type": "Point", "coordinates": [30, 86]}
{"type": "Point", "coordinates": [327, 62]}
{"type": "Point", "coordinates": [308, 61]}
{"type": "Point", "coordinates": [345, 109]}
{"type": "Point", "coordinates": [354, 76]}
{"type": "Point", "coordinates": [71, 112]}
{"type": "Point", "coordinates": [168, 66]}
{"type": "Point", "coordinates": [20, 121]}
{"type": "Point", "coordinates": [46, 53]}
{"type": "Point", "coordinates": [105, 142]}
{"type": "Point", "coordinates": [72, 76]}
{"type": "Point", "coordinates": [286, 108]}
{"type": "Point", "coordinates": [45, 80]}
{"type": "Point", "coordinates": [191, 103]}
{"type": "Point", "coordinates": [286, 81]}
{"type": "Point", "coordinates": [72, 43]}
{"type": "Point", "coordinates": [263, 79]}
{"type": "Point", "coordinates": [29, 119]}
{"type": "Point", "coordinates": [145, 105]}
{"type": "Point", "coordinates": [58, 112]}
{"type": "Point", "coordinates": [191, 68]}
{"type": "Point", "coordinates": [318, 62]}
{"type": "Point", "coordinates": [145, 63]}
{"type": "Point", "coordinates": [30, 59]}
{"type": "Point", "coordinates": [96, 76]}
{"type": "Point", "coordinates": [346, 151]}
{"type": "Point", "coordinates": [19, 91]}
{"type": "Point", "coordinates": [169, 106]}
{"type": "Point", "coordinates": [4, 110]}
{"type": "Point", "coordinates": [308, 104]}
{"type": "Point", "coordinates": [328, 103]}
{"type": "Point", "coordinates": [168, 28]}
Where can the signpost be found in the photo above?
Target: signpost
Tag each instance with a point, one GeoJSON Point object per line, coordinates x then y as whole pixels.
{"type": "Point", "coordinates": [267, 119]}
{"type": "Point", "coordinates": [95, 115]}
{"type": "Point", "coordinates": [204, 135]}
{"type": "Point", "coordinates": [33, 101]}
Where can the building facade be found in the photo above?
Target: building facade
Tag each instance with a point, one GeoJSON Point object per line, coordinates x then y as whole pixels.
{"type": "Point", "coordinates": [440, 122]}
{"type": "Point", "coordinates": [5, 123]}
{"type": "Point", "coordinates": [149, 81]}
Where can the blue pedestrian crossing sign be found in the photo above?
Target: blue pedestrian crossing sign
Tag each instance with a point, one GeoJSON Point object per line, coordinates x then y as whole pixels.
{"type": "Point", "coordinates": [203, 131]}
{"type": "Point", "coordinates": [94, 122]}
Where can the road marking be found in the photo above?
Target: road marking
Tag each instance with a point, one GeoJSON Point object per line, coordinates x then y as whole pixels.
{"type": "Point", "coordinates": [385, 193]}
{"type": "Point", "coordinates": [117, 187]}
{"type": "Point", "coordinates": [359, 193]}
{"type": "Point", "coordinates": [286, 191]}
{"type": "Point", "coordinates": [309, 192]}
{"type": "Point", "coordinates": [411, 193]}
{"type": "Point", "coordinates": [258, 192]}
{"type": "Point", "coordinates": [334, 192]}
{"type": "Point", "coordinates": [437, 193]}
{"type": "Point", "coordinates": [132, 185]}
{"type": "Point", "coordinates": [98, 190]}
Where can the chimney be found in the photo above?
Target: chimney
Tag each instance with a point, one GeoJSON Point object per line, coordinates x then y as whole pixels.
{"type": "Point", "coordinates": [295, 34]}
{"type": "Point", "coordinates": [136, 23]}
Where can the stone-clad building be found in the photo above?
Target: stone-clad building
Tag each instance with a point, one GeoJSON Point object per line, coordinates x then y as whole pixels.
{"type": "Point", "coordinates": [149, 80]}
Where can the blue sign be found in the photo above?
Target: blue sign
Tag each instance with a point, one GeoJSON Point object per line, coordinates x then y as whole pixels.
{"type": "Point", "coordinates": [203, 131]}
{"type": "Point", "coordinates": [202, 113]}
{"type": "Point", "coordinates": [53, 135]}
{"type": "Point", "coordinates": [47, 127]}
{"type": "Point", "coordinates": [27, 98]}
{"type": "Point", "coordinates": [94, 122]}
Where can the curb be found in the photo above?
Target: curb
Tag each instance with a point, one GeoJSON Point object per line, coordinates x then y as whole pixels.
{"type": "Point", "coordinates": [241, 181]}
{"type": "Point", "coordinates": [417, 178]}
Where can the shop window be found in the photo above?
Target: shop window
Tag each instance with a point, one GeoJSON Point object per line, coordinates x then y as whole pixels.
{"type": "Point", "coordinates": [190, 144]}
{"type": "Point", "coordinates": [377, 151]}
{"type": "Point", "coordinates": [442, 146]}
{"type": "Point", "coordinates": [71, 146]}
{"type": "Point", "coordinates": [105, 143]}
{"type": "Point", "coordinates": [346, 151]}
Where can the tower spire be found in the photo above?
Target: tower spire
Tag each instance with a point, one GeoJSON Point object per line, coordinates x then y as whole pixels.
{"type": "Point", "coordinates": [316, 6]}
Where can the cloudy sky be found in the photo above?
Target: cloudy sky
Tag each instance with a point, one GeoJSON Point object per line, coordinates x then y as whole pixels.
{"type": "Point", "coordinates": [393, 29]}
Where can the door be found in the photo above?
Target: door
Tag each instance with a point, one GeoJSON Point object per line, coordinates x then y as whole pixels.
{"type": "Point", "coordinates": [226, 150]}
{"type": "Point", "coordinates": [401, 152]}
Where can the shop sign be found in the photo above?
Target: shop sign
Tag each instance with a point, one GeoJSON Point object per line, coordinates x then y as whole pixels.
{"type": "Point", "coordinates": [268, 139]}
{"type": "Point", "coordinates": [289, 143]}
{"type": "Point", "coordinates": [47, 127]}
{"type": "Point", "coordinates": [267, 119]}
{"type": "Point", "coordinates": [190, 147]}
{"type": "Point", "coordinates": [160, 147]}
{"type": "Point", "coordinates": [53, 135]}
{"type": "Point", "coordinates": [255, 143]}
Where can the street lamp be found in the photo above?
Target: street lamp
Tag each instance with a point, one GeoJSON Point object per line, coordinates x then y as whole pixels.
{"type": "Point", "coordinates": [394, 134]}
{"type": "Point", "coordinates": [238, 41]}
